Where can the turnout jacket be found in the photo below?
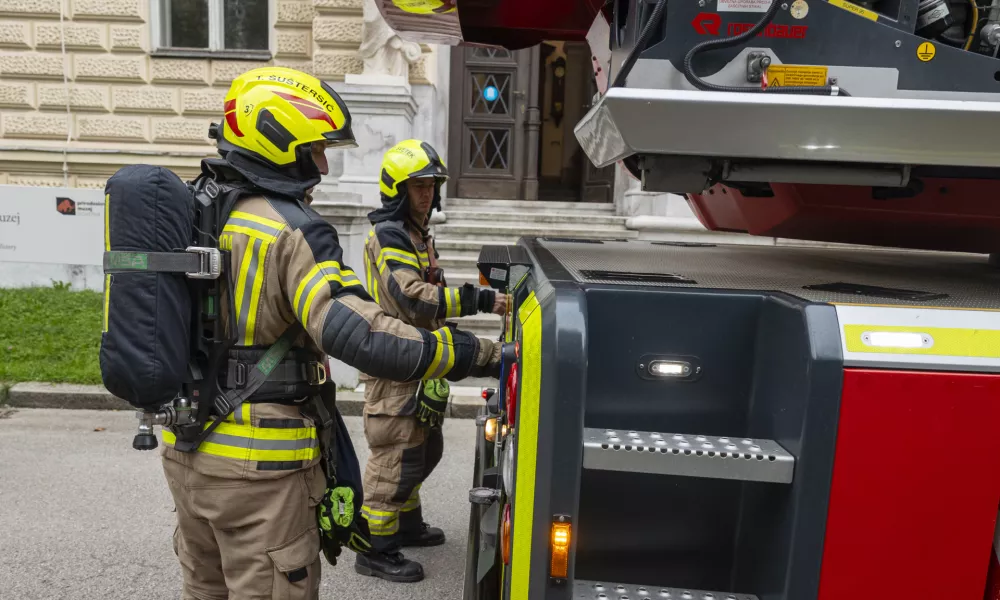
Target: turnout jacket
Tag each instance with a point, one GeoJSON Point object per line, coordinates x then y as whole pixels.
{"type": "Point", "coordinates": [287, 265]}
{"type": "Point", "coordinates": [396, 254]}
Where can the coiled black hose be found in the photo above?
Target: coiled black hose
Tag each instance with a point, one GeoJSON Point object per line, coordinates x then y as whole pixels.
{"type": "Point", "coordinates": [735, 40]}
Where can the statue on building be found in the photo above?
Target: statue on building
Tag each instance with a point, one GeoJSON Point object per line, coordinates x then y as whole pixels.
{"type": "Point", "coordinates": [383, 51]}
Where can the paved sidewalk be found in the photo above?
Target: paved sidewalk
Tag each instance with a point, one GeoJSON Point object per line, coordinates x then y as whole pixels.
{"type": "Point", "coordinates": [465, 399]}
{"type": "Point", "coordinates": [83, 516]}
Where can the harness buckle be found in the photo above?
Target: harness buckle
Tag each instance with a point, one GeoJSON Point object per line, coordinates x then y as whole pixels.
{"type": "Point", "coordinates": [212, 188]}
{"type": "Point", "coordinates": [315, 373]}
{"type": "Point", "coordinates": [210, 266]}
{"type": "Point", "coordinates": [240, 374]}
{"type": "Point", "coordinates": [222, 406]}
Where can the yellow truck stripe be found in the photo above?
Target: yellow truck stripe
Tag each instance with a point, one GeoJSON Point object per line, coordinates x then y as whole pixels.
{"type": "Point", "coordinates": [527, 446]}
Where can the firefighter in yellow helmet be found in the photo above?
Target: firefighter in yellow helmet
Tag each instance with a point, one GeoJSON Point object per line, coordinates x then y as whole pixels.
{"type": "Point", "coordinates": [403, 419]}
{"type": "Point", "coordinates": [253, 494]}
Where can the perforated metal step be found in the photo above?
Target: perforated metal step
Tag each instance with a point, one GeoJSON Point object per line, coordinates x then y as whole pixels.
{"type": "Point", "coordinates": [708, 456]}
{"type": "Point", "coordinates": [596, 590]}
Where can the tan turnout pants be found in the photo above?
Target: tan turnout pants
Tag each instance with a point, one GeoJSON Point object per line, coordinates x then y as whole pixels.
{"type": "Point", "coordinates": [246, 540]}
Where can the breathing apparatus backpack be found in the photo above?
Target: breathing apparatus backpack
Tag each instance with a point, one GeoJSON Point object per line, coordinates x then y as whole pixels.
{"type": "Point", "coordinates": [164, 342]}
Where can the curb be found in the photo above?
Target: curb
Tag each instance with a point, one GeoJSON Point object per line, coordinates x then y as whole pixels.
{"type": "Point", "coordinates": [96, 397]}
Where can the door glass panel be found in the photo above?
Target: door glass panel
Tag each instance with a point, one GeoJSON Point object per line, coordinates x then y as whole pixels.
{"type": "Point", "coordinates": [489, 148]}
{"type": "Point", "coordinates": [490, 93]}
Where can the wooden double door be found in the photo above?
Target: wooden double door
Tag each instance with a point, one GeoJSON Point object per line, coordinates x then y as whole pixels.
{"type": "Point", "coordinates": [511, 120]}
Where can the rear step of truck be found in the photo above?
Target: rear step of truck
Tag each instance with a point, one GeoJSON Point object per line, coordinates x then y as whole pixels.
{"type": "Point", "coordinates": [596, 590]}
{"type": "Point", "coordinates": [714, 457]}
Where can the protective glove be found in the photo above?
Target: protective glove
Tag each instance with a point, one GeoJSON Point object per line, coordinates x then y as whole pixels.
{"type": "Point", "coordinates": [338, 525]}
{"type": "Point", "coordinates": [432, 400]}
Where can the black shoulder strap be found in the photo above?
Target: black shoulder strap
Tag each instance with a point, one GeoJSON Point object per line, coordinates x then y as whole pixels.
{"type": "Point", "coordinates": [295, 213]}
{"type": "Point", "coordinates": [232, 399]}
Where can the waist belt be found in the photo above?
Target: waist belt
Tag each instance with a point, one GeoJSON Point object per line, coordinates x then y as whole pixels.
{"type": "Point", "coordinates": [293, 380]}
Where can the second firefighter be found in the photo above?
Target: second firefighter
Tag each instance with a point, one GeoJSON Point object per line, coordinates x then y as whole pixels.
{"type": "Point", "coordinates": [402, 421]}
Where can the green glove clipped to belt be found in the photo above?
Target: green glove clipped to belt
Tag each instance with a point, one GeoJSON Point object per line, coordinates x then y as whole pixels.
{"type": "Point", "coordinates": [432, 400]}
{"type": "Point", "coordinates": [338, 525]}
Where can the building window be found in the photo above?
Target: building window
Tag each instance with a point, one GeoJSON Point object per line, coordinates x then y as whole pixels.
{"type": "Point", "coordinates": [218, 28]}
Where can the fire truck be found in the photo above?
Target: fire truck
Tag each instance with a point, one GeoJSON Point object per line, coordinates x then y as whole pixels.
{"type": "Point", "coordinates": [729, 422]}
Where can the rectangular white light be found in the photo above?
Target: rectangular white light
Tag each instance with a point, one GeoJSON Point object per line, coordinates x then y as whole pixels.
{"type": "Point", "coordinates": [665, 368]}
{"type": "Point", "coordinates": [896, 339]}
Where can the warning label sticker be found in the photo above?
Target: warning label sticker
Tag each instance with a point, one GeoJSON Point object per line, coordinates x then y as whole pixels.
{"type": "Point", "coordinates": [795, 75]}
{"type": "Point", "coordinates": [744, 5]}
{"type": "Point", "coordinates": [926, 52]}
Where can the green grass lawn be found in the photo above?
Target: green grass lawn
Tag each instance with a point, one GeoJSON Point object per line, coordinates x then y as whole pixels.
{"type": "Point", "coordinates": [50, 334]}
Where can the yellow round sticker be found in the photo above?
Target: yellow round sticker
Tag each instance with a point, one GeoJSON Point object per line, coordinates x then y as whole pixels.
{"type": "Point", "coordinates": [926, 52]}
{"type": "Point", "coordinates": [425, 7]}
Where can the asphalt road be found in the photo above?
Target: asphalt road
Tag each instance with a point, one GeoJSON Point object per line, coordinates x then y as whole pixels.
{"type": "Point", "coordinates": [84, 516]}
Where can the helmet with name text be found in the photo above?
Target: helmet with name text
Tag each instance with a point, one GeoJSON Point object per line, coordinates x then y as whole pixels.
{"type": "Point", "coordinates": [274, 114]}
{"type": "Point", "coordinates": [409, 159]}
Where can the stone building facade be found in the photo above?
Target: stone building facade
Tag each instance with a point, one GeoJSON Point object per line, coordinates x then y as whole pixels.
{"type": "Point", "coordinates": [87, 86]}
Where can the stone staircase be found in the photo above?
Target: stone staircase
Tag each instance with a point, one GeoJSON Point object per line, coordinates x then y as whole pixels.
{"type": "Point", "coordinates": [472, 223]}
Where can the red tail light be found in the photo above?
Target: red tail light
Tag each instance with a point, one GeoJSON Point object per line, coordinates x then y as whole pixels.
{"type": "Point", "coordinates": [511, 395]}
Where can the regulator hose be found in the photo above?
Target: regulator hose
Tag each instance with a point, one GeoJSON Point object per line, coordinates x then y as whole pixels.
{"type": "Point", "coordinates": [640, 43]}
{"type": "Point", "coordinates": [736, 40]}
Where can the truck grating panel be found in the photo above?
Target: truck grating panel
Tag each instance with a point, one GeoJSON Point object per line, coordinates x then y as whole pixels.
{"type": "Point", "coordinates": [597, 590]}
{"type": "Point", "coordinates": [964, 280]}
{"type": "Point", "coordinates": [745, 459]}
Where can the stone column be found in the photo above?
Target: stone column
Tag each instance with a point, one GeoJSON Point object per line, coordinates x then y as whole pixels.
{"type": "Point", "coordinates": [381, 103]}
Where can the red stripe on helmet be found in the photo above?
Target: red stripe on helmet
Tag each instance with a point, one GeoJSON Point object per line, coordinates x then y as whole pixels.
{"type": "Point", "coordinates": [309, 110]}
{"type": "Point", "coordinates": [232, 124]}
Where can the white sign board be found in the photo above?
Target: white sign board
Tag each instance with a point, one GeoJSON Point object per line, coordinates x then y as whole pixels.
{"type": "Point", "coordinates": [62, 226]}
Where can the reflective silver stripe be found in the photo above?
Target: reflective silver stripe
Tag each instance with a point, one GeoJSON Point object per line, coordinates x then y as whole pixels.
{"type": "Point", "coordinates": [260, 227]}
{"type": "Point", "coordinates": [380, 518]}
{"type": "Point", "coordinates": [235, 441]}
{"type": "Point", "coordinates": [442, 366]}
{"type": "Point", "coordinates": [248, 287]}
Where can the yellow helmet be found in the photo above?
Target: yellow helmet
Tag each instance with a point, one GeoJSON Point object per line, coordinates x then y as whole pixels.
{"type": "Point", "coordinates": [425, 7]}
{"type": "Point", "coordinates": [273, 111]}
{"type": "Point", "coordinates": [409, 159]}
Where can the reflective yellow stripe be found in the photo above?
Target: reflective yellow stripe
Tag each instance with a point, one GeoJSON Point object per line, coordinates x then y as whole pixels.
{"type": "Point", "coordinates": [257, 219]}
{"type": "Point", "coordinates": [241, 282]}
{"type": "Point", "coordinates": [407, 258]}
{"type": "Point", "coordinates": [453, 302]}
{"type": "Point", "coordinates": [254, 233]}
{"type": "Point", "coordinates": [107, 246]}
{"type": "Point", "coordinates": [258, 283]}
{"type": "Point", "coordinates": [444, 355]}
{"type": "Point", "coordinates": [413, 502]}
{"type": "Point", "coordinates": [381, 522]}
{"type": "Point", "coordinates": [424, 261]}
{"type": "Point", "coordinates": [330, 271]}
{"type": "Point", "coordinates": [946, 341]}
{"type": "Point", "coordinates": [449, 303]}
{"type": "Point", "coordinates": [247, 442]}
{"type": "Point", "coordinates": [527, 308]}
{"type": "Point", "coordinates": [527, 446]}
{"type": "Point", "coordinates": [347, 278]}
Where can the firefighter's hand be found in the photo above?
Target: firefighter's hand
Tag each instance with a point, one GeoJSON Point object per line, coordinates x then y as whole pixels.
{"type": "Point", "coordinates": [500, 304]}
{"type": "Point", "coordinates": [432, 400]}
